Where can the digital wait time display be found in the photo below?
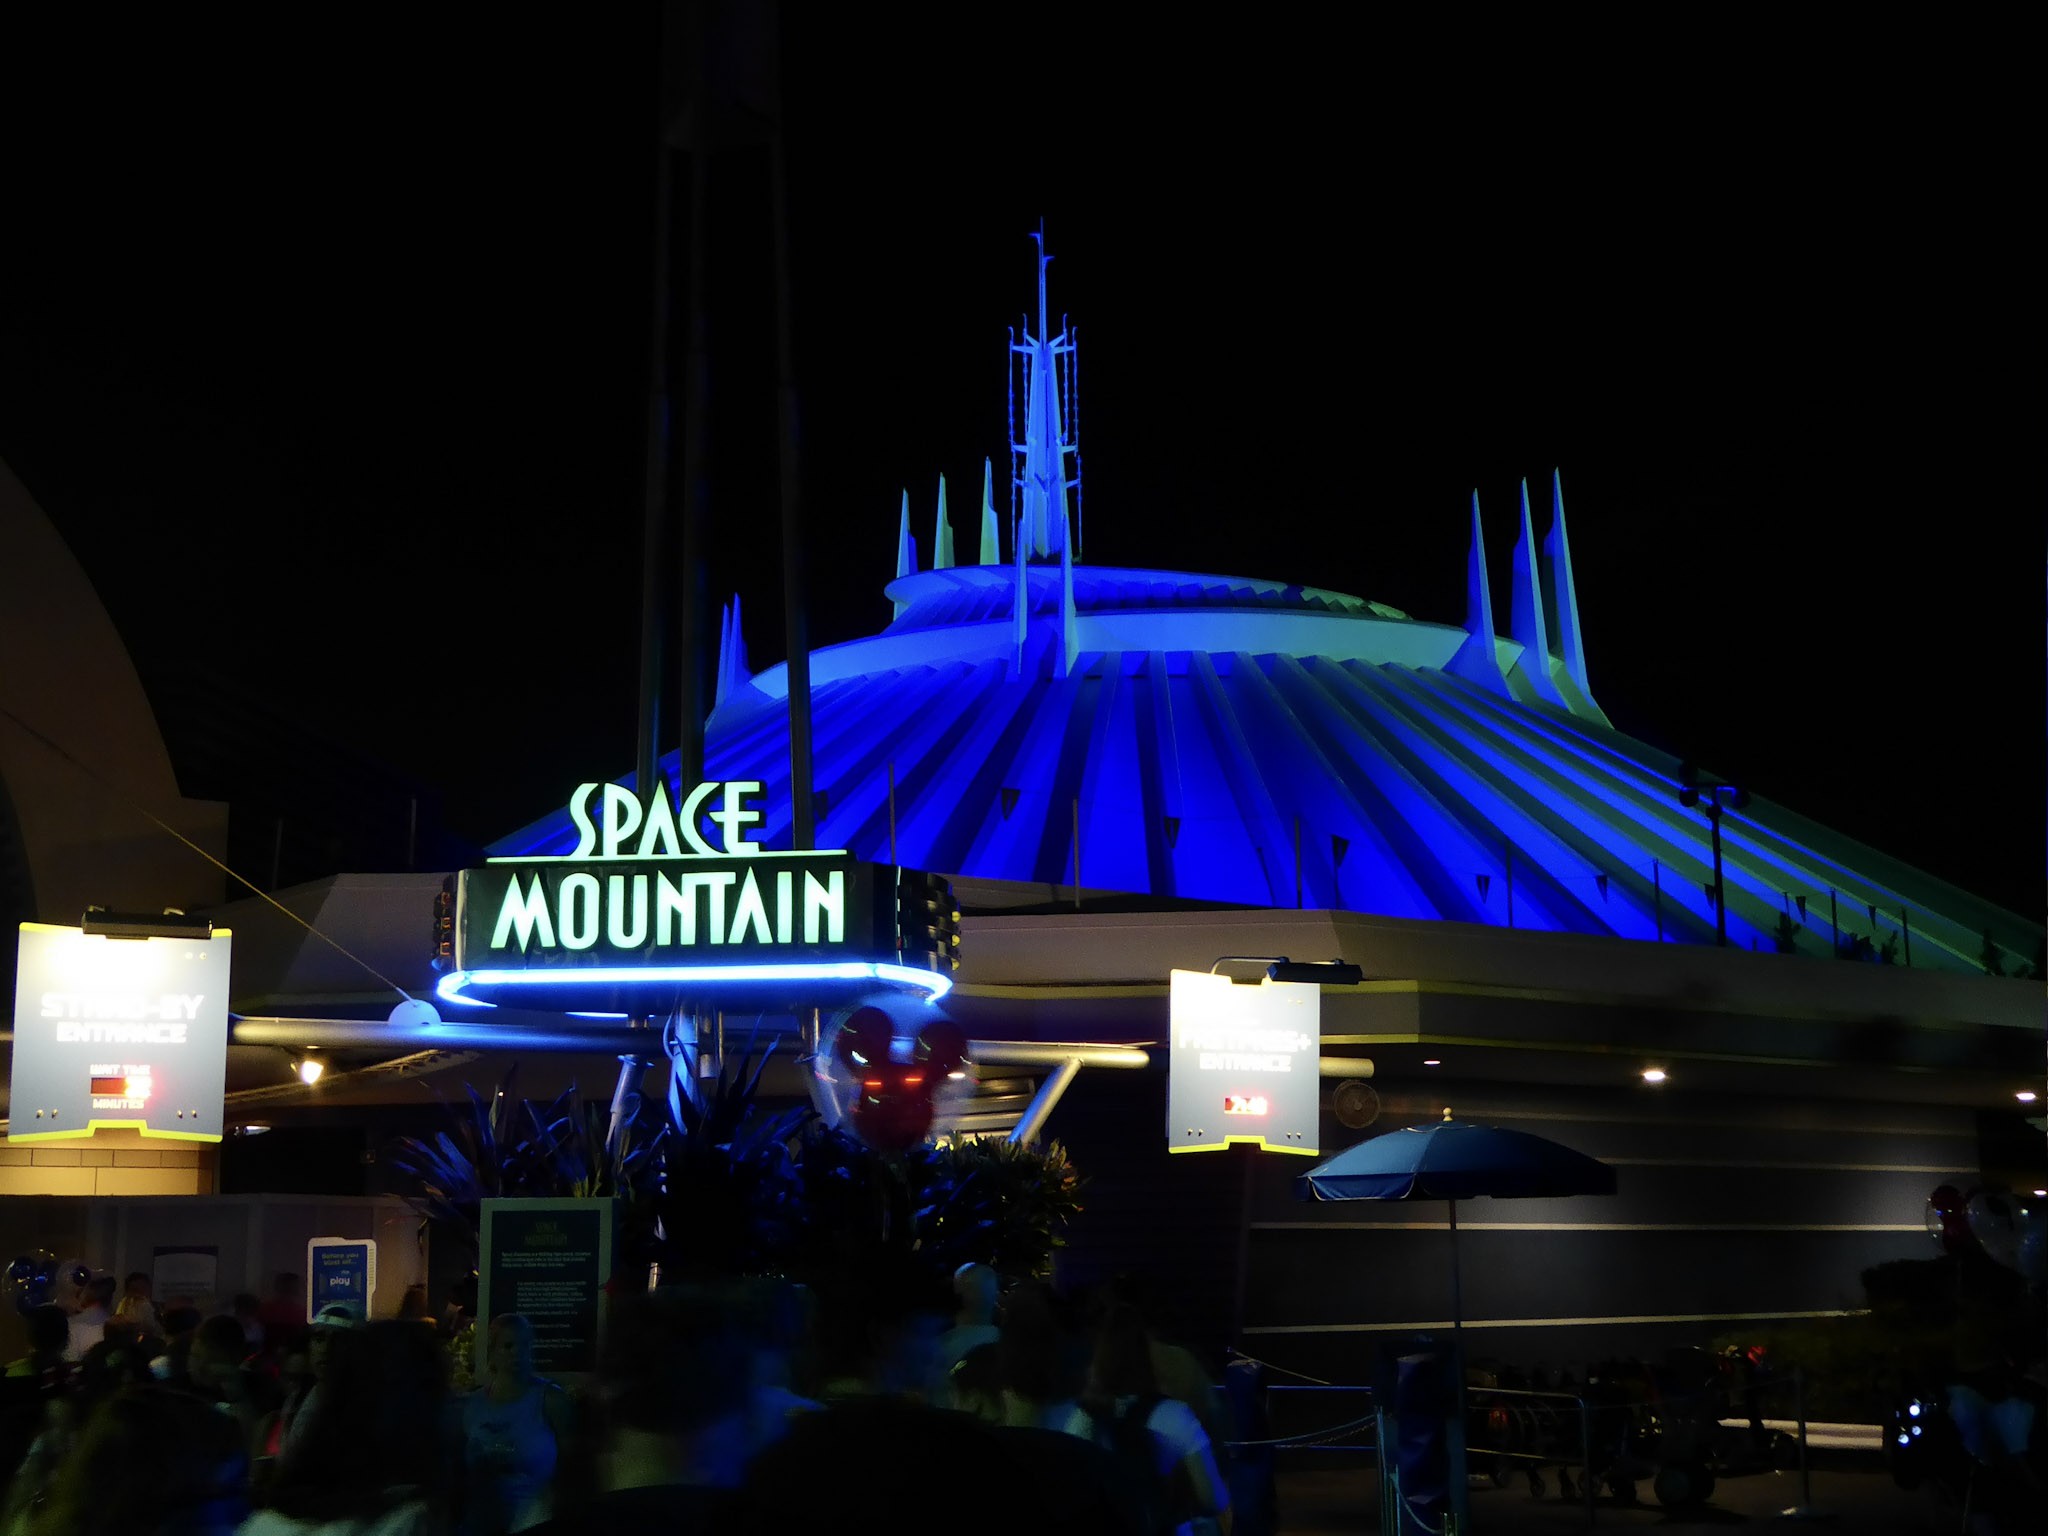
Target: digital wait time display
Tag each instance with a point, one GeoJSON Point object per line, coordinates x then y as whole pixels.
{"type": "Point", "coordinates": [118, 1032]}
{"type": "Point", "coordinates": [1243, 1064]}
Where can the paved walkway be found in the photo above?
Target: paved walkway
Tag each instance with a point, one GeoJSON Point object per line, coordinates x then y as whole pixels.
{"type": "Point", "coordinates": [1326, 1501]}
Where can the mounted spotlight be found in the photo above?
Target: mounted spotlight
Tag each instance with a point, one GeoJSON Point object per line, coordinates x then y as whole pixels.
{"type": "Point", "coordinates": [168, 924]}
{"type": "Point", "coordinates": [1325, 973]}
{"type": "Point", "coordinates": [307, 1068]}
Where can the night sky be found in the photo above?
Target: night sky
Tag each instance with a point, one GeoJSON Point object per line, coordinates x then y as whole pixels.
{"type": "Point", "coordinates": [324, 342]}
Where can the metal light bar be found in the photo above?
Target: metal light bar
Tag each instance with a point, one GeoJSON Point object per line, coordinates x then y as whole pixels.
{"type": "Point", "coordinates": [378, 1034]}
{"type": "Point", "coordinates": [1029, 1053]}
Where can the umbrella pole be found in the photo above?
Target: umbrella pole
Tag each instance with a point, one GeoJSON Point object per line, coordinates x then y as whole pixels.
{"type": "Point", "coordinates": [1457, 1299]}
{"type": "Point", "coordinates": [1460, 1486]}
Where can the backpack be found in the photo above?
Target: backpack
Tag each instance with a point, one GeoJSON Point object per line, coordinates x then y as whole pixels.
{"type": "Point", "coordinates": [1134, 1450]}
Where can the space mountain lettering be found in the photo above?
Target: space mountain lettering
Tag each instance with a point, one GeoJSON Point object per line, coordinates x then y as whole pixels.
{"type": "Point", "coordinates": [692, 907]}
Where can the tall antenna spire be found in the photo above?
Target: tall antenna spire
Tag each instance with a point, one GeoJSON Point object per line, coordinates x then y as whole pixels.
{"type": "Point", "coordinates": [1478, 660]}
{"type": "Point", "coordinates": [991, 537]}
{"type": "Point", "coordinates": [1529, 630]}
{"type": "Point", "coordinates": [942, 534]}
{"type": "Point", "coordinates": [1039, 462]}
{"type": "Point", "coordinates": [1569, 672]}
{"type": "Point", "coordinates": [906, 552]}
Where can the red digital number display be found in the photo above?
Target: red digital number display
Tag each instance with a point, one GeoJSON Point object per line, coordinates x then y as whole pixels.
{"type": "Point", "coordinates": [1244, 1104]}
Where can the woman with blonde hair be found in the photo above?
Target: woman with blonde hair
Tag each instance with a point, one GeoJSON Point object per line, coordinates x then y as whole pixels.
{"type": "Point", "coordinates": [513, 1429]}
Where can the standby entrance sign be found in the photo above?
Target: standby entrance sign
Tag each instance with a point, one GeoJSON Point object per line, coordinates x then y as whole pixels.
{"type": "Point", "coordinates": [119, 1033]}
{"type": "Point", "coordinates": [1243, 1064]}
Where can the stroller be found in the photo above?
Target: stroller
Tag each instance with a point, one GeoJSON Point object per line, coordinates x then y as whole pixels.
{"type": "Point", "coordinates": [1677, 1413]}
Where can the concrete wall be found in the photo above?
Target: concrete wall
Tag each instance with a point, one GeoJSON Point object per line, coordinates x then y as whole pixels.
{"type": "Point", "coordinates": [108, 1163]}
{"type": "Point", "coordinates": [1730, 1214]}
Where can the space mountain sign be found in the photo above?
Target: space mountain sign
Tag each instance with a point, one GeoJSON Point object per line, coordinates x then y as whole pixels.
{"type": "Point", "coordinates": [657, 895]}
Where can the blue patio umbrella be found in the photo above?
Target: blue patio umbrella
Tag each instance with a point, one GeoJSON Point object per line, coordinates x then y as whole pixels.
{"type": "Point", "coordinates": [1455, 1160]}
{"type": "Point", "coordinates": [1452, 1161]}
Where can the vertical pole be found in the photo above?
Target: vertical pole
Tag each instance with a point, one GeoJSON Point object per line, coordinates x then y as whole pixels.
{"type": "Point", "coordinates": [794, 622]}
{"type": "Point", "coordinates": [892, 812]}
{"type": "Point", "coordinates": [1077, 853]}
{"type": "Point", "coordinates": [1720, 896]}
{"type": "Point", "coordinates": [1586, 1437]}
{"type": "Point", "coordinates": [654, 531]}
{"type": "Point", "coordinates": [1511, 884]}
{"type": "Point", "coordinates": [1297, 863]}
{"type": "Point", "coordinates": [1460, 1494]}
{"type": "Point", "coordinates": [1835, 922]}
{"type": "Point", "coordinates": [695, 626]}
{"type": "Point", "coordinates": [1657, 886]}
{"type": "Point", "coordinates": [1805, 1475]}
{"type": "Point", "coordinates": [1906, 933]}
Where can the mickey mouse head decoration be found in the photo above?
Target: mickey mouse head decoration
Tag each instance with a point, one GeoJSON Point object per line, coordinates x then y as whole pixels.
{"type": "Point", "coordinates": [896, 1082]}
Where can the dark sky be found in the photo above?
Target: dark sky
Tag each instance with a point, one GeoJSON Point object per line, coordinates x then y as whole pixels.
{"type": "Point", "coordinates": [323, 341]}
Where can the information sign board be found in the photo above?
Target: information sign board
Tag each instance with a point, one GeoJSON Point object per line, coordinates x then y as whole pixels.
{"type": "Point", "coordinates": [1243, 1064]}
{"type": "Point", "coordinates": [549, 1261]}
{"type": "Point", "coordinates": [118, 1033]}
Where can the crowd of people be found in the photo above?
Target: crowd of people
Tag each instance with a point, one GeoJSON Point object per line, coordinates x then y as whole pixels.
{"type": "Point", "coordinates": [715, 1407]}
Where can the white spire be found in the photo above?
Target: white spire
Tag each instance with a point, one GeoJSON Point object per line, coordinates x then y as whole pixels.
{"type": "Point", "coordinates": [1478, 659]}
{"type": "Point", "coordinates": [906, 554]}
{"type": "Point", "coordinates": [906, 546]}
{"type": "Point", "coordinates": [991, 538]}
{"type": "Point", "coordinates": [732, 652]}
{"type": "Point", "coordinates": [1530, 632]}
{"type": "Point", "coordinates": [942, 535]}
{"type": "Point", "coordinates": [1569, 670]}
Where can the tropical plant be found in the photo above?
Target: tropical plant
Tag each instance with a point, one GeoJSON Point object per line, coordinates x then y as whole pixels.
{"type": "Point", "coordinates": [730, 1199]}
{"type": "Point", "coordinates": [993, 1201]}
{"type": "Point", "coordinates": [505, 1147]}
{"type": "Point", "coordinates": [1786, 934]}
{"type": "Point", "coordinates": [720, 1184]}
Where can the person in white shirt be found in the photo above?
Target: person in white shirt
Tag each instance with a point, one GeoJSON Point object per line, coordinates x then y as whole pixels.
{"type": "Point", "coordinates": [89, 1322]}
{"type": "Point", "coordinates": [1121, 1385]}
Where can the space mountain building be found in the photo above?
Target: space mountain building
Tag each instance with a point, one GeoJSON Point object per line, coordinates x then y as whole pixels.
{"type": "Point", "coordinates": [1128, 773]}
{"type": "Point", "coordinates": [1131, 771]}
{"type": "Point", "coordinates": [1034, 721]}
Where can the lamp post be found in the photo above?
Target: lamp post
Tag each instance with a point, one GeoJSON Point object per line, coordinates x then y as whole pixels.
{"type": "Point", "coordinates": [1716, 795]}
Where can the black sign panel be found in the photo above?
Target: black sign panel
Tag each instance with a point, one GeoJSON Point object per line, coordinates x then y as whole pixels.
{"type": "Point", "coordinates": [549, 1260]}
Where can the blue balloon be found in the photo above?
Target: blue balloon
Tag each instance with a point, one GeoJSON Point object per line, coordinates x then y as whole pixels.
{"type": "Point", "coordinates": [28, 1281]}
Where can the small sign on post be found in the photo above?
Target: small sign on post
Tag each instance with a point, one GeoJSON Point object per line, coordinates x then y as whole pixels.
{"type": "Point", "coordinates": [341, 1269]}
{"type": "Point", "coordinates": [1244, 1064]}
{"type": "Point", "coordinates": [549, 1261]}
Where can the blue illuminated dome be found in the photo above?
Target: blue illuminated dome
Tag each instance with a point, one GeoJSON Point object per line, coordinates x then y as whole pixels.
{"type": "Point", "coordinates": [1225, 739]}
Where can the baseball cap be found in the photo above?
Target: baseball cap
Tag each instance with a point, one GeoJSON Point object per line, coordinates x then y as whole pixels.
{"type": "Point", "coordinates": [338, 1314]}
